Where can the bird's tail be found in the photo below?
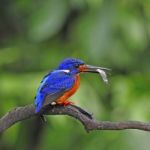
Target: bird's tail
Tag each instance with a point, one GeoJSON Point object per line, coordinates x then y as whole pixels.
{"type": "Point", "coordinates": [39, 102]}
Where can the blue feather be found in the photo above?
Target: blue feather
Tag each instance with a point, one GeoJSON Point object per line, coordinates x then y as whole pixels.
{"type": "Point", "coordinates": [40, 96]}
{"type": "Point", "coordinates": [53, 83]}
{"type": "Point", "coordinates": [57, 82]}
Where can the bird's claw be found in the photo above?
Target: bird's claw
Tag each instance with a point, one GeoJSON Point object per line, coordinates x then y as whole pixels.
{"type": "Point", "coordinates": [66, 103]}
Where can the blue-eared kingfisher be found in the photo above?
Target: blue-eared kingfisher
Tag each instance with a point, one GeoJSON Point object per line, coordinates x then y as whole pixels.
{"type": "Point", "coordinates": [58, 85]}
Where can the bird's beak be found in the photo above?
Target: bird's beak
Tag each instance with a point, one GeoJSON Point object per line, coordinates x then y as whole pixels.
{"type": "Point", "coordinates": [93, 69]}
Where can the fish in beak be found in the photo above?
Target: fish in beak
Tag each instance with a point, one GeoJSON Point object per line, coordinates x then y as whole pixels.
{"type": "Point", "coordinates": [93, 69]}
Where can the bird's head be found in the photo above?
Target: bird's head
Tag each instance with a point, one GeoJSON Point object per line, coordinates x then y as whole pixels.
{"type": "Point", "coordinates": [75, 66]}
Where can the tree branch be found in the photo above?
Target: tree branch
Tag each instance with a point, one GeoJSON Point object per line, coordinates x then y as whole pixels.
{"type": "Point", "coordinates": [89, 123]}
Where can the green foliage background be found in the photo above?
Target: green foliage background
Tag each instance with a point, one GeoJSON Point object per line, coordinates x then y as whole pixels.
{"type": "Point", "coordinates": [36, 35]}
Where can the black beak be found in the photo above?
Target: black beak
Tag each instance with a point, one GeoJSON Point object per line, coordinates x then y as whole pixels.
{"type": "Point", "coordinates": [94, 69]}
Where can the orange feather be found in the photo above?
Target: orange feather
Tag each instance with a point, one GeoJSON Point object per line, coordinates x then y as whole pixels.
{"type": "Point", "coordinates": [70, 92]}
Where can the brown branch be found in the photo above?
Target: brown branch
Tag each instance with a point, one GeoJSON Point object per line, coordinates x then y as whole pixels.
{"type": "Point", "coordinates": [22, 113]}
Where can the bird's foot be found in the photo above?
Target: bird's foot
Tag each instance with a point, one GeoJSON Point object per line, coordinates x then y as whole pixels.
{"type": "Point", "coordinates": [66, 103]}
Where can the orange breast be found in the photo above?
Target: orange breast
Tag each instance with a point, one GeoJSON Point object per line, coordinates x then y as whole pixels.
{"type": "Point", "coordinates": [70, 92]}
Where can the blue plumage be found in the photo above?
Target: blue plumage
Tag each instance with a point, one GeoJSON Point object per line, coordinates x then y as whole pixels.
{"type": "Point", "coordinates": [56, 82]}
{"type": "Point", "coordinates": [61, 83]}
{"type": "Point", "coordinates": [71, 64]}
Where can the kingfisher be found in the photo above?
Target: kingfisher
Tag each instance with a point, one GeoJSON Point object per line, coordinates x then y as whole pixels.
{"type": "Point", "coordinates": [60, 84]}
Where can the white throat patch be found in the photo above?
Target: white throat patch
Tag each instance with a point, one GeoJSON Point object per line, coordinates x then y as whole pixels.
{"type": "Point", "coordinates": [66, 71]}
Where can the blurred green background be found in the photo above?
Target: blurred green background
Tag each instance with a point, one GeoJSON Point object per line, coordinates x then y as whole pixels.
{"type": "Point", "coordinates": [36, 35]}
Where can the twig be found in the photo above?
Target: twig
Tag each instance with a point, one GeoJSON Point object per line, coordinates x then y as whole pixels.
{"type": "Point", "coordinates": [26, 112]}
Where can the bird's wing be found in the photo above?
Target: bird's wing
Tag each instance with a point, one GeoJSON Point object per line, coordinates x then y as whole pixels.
{"type": "Point", "coordinates": [53, 86]}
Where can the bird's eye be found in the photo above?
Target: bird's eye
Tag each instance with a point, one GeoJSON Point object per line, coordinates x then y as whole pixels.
{"type": "Point", "coordinates": [77, 65]}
